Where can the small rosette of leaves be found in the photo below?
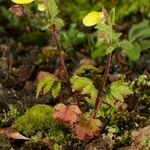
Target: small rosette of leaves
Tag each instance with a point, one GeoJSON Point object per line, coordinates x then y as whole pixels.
{"type": "Point", "coordinates": [116, 91]}
{"type": "Point", "coordinates": [87, 127]}
{"type": "Point", "coordinates": [85, 86]}
{"type": "Point", "coordinates": [48, 83]}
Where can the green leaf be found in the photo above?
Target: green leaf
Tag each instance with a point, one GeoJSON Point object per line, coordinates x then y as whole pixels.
{"type": "Point", "coordinates": [48, 86]}
{"type": "Point", "coordinates": [139, 31]}
{"type": "Point", "coordinates": [110, 99]}
{"type": "Point", "coordinates": [116, 91]}
{"type": "Point", "coordinates": [84, 85]}
{"type": "Point", "coordinates": [103, 27]}
{"type": "Point", "coordinates": [145, 45]}
{"type": "Point", "coordinates": [57, 147]}
{"type": "Point", "coordinates": [53, 9]}
{"type": "Point", "coordinates": [46, 26]}
{"type": "Point", "coordinates": [112, 16]}
{"type": "Point", "coordinates": [41, 84]}
{"type": "Point", "coordinates": [100, 51]}
{"type": "Point", "coordinates": [111, 48]}
{"type": "Point", "coordinates": [83, 68]}
{"type": "Point", "coordinates": [48, 83]}
{"type": "Point", "coordinates": [58, 22]}
{"type": "Point", "coordinates": [56, 89]}
{"type": "Point", "coordinates": [90, 90]}
{"type": "Point", "coordinates": [134, 54]}
{"type": "Point", "coordinates": [126, 45]}
{"type": "Point", "coordinates": [131, 50]}
{"type": "Point", "coordinates": [115, 37]}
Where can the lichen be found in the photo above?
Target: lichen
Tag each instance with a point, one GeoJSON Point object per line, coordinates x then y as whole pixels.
{"type": "Point", "coordinates": [39, 119]}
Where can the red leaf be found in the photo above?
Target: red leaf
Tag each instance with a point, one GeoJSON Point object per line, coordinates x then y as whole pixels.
{"type": "Point", "coordinates": [87, 127]}
{"type": "Point", "coordinates": [83, 133]}
{"type": "Point", "coordinates": [67, 114]}
{"type": "Point", "coordinates": [11, 133]}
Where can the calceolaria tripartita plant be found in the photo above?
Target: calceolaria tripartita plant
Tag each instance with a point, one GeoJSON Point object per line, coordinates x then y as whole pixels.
{"type": "Point", "coordinates": [82, 89]}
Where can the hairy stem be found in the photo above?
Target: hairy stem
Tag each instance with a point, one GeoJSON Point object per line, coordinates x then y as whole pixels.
{"type": "Point", "coordinates": [59, 51]}
{"type": "Point", "coordinates": [33, 16]}
{"type": "Point", "coordinates": [105, 76]}
{"type": "Point", "coordinates": [99, 100]}
{"type": "Point", "coordinates": [63, 66]}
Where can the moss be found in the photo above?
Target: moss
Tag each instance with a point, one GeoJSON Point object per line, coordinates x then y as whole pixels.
{"type": "Point", "coordinates": [39, 119]}
{"type": "Point", "coordinates": [4, 143]}
{"type": "Point", "coordinates": [31, 145]}
{"type": "Point", "coordinates": [34, 38]}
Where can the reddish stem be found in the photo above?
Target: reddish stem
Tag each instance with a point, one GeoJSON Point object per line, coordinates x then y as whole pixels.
{"type": "Point", "coordinates": [59, 51]}
{"type": "Point", "coordinates": [105, 76]}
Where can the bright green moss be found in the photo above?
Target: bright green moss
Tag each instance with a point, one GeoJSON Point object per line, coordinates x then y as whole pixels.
{"type": "Point", "coordinates": [39, 119]}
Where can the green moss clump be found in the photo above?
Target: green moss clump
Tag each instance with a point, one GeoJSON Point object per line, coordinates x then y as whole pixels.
{"type": "Point", "coordinates": [39, 119]}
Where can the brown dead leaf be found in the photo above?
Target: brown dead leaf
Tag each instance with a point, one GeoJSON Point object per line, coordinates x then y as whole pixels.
{"type": "Point", "coordinates": [67, 114]}
{"type": "Point", "coordinates": [11, 133]}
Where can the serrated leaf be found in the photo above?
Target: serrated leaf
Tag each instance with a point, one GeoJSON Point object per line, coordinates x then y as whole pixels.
{"type": "Point", "coordinates": [87, 127]}
{"type": "Point", "coordinates": [112, 15]}
{"type": "Point", "coordinates": [83, 68]}
{"type": "Point", "coordinates": [110, 99]}
{"type": "Point", "coordinates": [66, 114]}
{"type": "Point", "coordinates": [53, 9]}
{"type": "Point", "coordinates": [126, 45]}
{"type": "Point", "coordinates": [116, 91]}
{"type": "Point", "coordinates": [106, 30]}
{"type": "Point", "coordinates": [45, 84]}
{"type": "Point", "coordinates": [78, 83]}
{"type": "Point", "coordinates": [41, 84]}
{"type": "Point", "coordinates": [121, 87]}
{"type": "Point", "coordinates": [111, 48]}
{"type": "Point", "coordinates": [131, 50]}
{"type": "Point", "coordinates": [46, 26]}
{"type": "Point", "coordinates": [84, 85]}
{"type": "Point", "coordinates": [134, 54]}
{"type": "Point", "coordinates": [48, 86]}
{"type": "Point", "coordinates": [56, 89]}
{"type": "Point", "coordinates": [58, 22]}
{"type": "Point", "coordinates": [91, 91]}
